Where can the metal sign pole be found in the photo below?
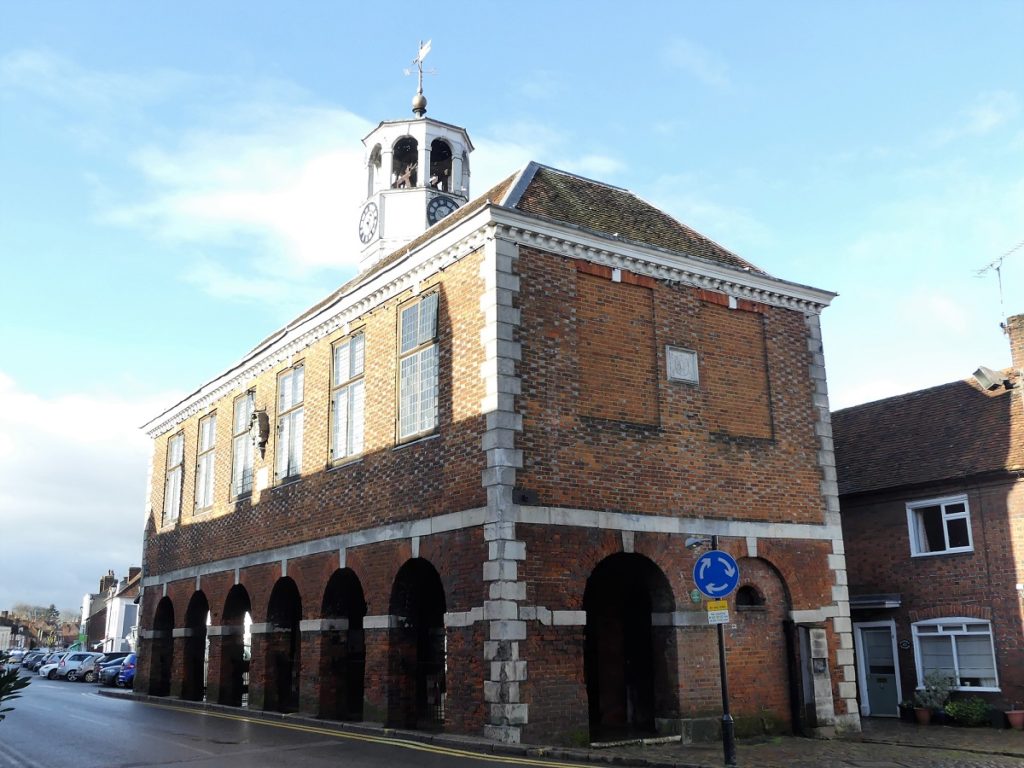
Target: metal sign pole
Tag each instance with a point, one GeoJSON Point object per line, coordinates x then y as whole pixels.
{"type": "Point", "coordinates": [728, 726]}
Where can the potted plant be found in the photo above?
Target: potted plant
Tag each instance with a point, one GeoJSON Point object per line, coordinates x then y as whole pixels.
{"type": "Point", "coordinates": [907, 710]}
{"type": "Point", "coordinates": [1016, 716]}
{"type": "Point", "coordinates": [932, 696]}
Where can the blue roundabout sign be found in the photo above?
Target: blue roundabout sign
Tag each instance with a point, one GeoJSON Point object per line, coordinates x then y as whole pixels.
{"type": "Point", "coordinates": [716, 573]}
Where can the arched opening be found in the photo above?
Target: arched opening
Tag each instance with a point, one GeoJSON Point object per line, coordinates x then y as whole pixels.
{"type": "Point", "coordinates": [416, 690]}
{"type": "Point", "coordinates": [373, 170]}
{"type": "Point", "coordinates": [749, 597]}
{"type": "Point", "coordinates": [197, 648]}
{"type": "Point", "coordinates": [343, 657]}
{"type": "Point", "coordinates": [163, 648]}
{"type": "Point", "coordinates": [236, 648]}
{"type": "Point", "coordinates": [440, 165]}
{"type": "Point", "coordinates": [629, 664]}
{"type": "Point", "coordinates": [284, 612]}
{"type": "Point", "coordinates": [404, 163]}
{"type": "Point", "coordinates": [766, 701]}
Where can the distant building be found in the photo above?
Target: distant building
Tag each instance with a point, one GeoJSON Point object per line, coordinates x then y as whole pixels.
{"type": "Point", "coordinates": [121, 630]}
{"type": "Point", "coordinates": [456, 493]}
{"type": "Point", "coordinates": [110, 616]}
{"type": "Point", "coordinates": [932, 497]}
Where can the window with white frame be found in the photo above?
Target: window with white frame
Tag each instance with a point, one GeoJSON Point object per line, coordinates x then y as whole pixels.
{"type": "Point", "coordinates": [939, 526]}
{"type": "Point", "coordinates": [417, 389]}
{"type": "Point", "coordinates": [959, 648]}
{"type": "Point", "coordinates": [205, 461]}
{"type": "Point", "coordinates": [289, 423]}
{"type": "Point", "coordinates": [347, 398]}
{"type": "Point", "coordinates": [241, 444]}
{"type": "Point", "coordinates": [173, 477]}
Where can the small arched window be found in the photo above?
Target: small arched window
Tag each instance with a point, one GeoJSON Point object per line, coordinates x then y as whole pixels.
{"type": "Point", "coordinates": [748, 598]}
{"type": "Point", "coordinates": [440, 165]}
{"type": "Point", "coordinates": [403, 163]}
{"type": "Point", "coordinates": [373, 170]}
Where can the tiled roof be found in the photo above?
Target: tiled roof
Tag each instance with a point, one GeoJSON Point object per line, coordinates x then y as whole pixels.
{"type": "Point", "coordinates": [945, 432]}
{"type": "Point", "coordinates": [570, 199]}
{"type": "Point", "coordinates": [563, 198]}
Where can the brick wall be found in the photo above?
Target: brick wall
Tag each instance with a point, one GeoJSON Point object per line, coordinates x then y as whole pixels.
{"type": "Point", "coordinates": [691, 460]}
{"type": "Point", "coordinates": [387, 483]}
{"type": "Point", "coordinates": [979, 584]}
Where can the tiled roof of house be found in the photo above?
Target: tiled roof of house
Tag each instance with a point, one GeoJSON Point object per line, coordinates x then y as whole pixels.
{"type": "Point", "coordinates": [945, 432]}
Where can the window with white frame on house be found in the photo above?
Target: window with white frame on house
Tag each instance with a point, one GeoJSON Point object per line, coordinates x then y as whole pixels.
{"type": "Point", "coordinates": [241, 444]}
{"type": "Point", "coordinates": [289, 422]}
{"type": "Point", "coordinates": [959, 648]}
{"type": "Point", "coordinates": [205, 461]}
{"type": "Point", "coordinates": [417, 389]}
{"type": "Point", "coordinates": [939, 526]}
{"type": "Point", "coordinates": [173, 477]}
{"type": "Point", "coordinates": [347, 398]}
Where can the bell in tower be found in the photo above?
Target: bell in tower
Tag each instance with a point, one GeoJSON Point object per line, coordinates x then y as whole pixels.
{"type": "Point", "coordinates": [417, 173]}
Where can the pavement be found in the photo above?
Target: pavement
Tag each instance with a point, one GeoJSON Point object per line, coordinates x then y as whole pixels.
{"type": "Point", "coordinates": [883, 743]}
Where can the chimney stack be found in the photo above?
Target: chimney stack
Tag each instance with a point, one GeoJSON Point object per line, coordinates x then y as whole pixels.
{"type": "Point", "coordinates": [1015, 330]}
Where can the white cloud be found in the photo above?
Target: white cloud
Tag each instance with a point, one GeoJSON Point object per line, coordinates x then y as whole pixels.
{"type": "Point", "coordinates": [698, 62]}
{"type": "Point", "coordinates": [72, 491]}
{"type": "Point", "coordinates": [990, 111]}
{"type": "Point", "coordinates": [286, 188]}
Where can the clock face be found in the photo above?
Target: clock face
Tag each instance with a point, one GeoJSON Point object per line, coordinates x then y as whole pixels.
{"type": "Point", "coordinates": [368, 223]}
{"type": "Point", "coordinates": [439, 207]}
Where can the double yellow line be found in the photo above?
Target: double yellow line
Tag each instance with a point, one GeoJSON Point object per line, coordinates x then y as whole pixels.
{"type": "Point", "coordinates": [402, 743]}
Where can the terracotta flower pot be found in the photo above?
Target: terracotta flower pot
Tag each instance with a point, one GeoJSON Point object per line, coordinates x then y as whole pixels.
{"type": "Point", "coordinates": [923, 715]}
{"type": "Point", "coordinates": [1016, 718]}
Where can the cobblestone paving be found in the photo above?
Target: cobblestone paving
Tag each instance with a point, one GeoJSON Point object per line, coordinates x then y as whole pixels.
{"type": "Point", "coordinates": [886, 744]}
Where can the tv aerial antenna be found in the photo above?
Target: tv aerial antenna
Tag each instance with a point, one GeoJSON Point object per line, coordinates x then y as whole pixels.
{"type": "Point", "coordinates": [996, 265]}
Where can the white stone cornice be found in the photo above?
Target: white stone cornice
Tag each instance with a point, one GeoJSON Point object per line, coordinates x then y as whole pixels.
{"type": "Point", "coordinates": [660, 263]}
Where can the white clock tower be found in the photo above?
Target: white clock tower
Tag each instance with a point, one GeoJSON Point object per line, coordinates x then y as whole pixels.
{"type": "Point", "coordinates": [417, 173]}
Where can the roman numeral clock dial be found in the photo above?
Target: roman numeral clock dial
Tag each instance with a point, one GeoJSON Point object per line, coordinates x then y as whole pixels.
{"type": "Point", "coordinates": [368, 223]}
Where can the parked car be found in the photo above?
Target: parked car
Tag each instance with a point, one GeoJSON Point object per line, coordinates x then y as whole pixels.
{"type": "Point", "coordinates": [81, 664]}
{"type": "Point", "coordinates": [30, 661]}
{"type": "Point", "coordinates": [126, 677]}
{"type": "Point", "coordinates": [108, 672]}
{"type": "Point", "coordinates": [111, 656]}
{"type": "Point", "coordinates": [14, 657]}
{"type": "Point", "coordinates": [49, 666]}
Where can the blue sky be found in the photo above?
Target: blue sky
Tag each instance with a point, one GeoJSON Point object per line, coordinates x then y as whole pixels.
{"type": "Point", "coordinates": [178, 180]}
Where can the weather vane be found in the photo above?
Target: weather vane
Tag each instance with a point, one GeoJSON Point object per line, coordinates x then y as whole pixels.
{"type": "Point", "coordinates": [419, 101]}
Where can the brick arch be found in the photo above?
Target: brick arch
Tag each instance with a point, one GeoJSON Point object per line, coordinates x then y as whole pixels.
{"type": "Point", "coordinates": [948, 610]}
{"type": "Point", "coordinates": [629, 662]}
{"type": "Point", "coordinates": [343, 648]}
{"type": "Point", "coordinates": [416, 664]}
{"type": "Point", "coordinates": [282, 648]}
{"type": "Point", "coordinates": [234, 656]}
{"type": "Point", "coordinates": [195, 647]}
{"type": "Point", "coordinates": [162, 648]}
{"type": "Point", "coordinates": [759, 675]}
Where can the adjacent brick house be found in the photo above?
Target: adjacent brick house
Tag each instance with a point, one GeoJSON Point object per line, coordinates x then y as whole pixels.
{"type": "Point", "coordinates": [455, 493]}
{"type": "Point", "coordinates": [932, 496]}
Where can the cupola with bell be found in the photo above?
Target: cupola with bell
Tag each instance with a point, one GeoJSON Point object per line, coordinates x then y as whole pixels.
{"type": "Point", "coordinates": [417, 172]}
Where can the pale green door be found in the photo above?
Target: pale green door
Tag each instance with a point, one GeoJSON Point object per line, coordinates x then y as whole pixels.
{"type": "Point", "coordinates": [880, 670]}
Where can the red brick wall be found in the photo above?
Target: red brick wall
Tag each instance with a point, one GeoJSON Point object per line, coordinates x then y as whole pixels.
{"type": "Point", "coordinates": [387, 484]}
{"type": "Point", "coordinates": [618, 361]}
{"type": "Point", "coordinates": [979, 584]}
{"type": "Point", "coordinates": [686, 463]}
